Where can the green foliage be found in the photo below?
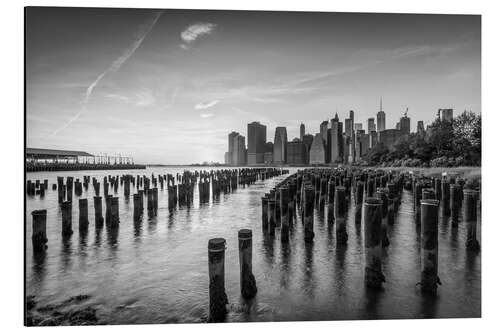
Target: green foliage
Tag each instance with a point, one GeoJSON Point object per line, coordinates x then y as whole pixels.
{"type": "Point", "coordinates": [445, 144]}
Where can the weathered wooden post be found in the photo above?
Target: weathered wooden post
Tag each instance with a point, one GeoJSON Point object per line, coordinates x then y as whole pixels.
{"type": "Point", "coordinates": [99, 220]}
{"type": "Point", "coordinates": [155, 201]}
{"type": "Point", "coordinates": [308, 213]}
{"type": "Point", "coordinates": [217, 292]}
{"type": "Point", "coordinates": [358, 200]}
{"type": "Point", "coordinates": [66, 213]}
{"type": "Point", "coordinates": [83, 208]}
{"type": "Point", "coordinates": [265, 209]}
{"type": "Point", "coordinates": [437, 188]}
{"type": "Point", "coordinates": [39, 232]}
{"type": "Point", "coordinates": [248, 286]}
{"type": "Point", "coordinates": [391, 188]}
{"type": "Point", "coordinates": [417, 197]}
{"type": "Point", "coordinates": [271, 204]}
{"type": "Point", "coordinates": [115, 213]}
{"type": "Point", "coordinates": [429, 245]}
{"type": "Point", "coordinates": [61, 193]}
{"type": "Point", "coordinates": [445, 196]}
{"type": "Point", "coordinates": [340, 215]}
{"type": "Point", "coordinates": [137, 206]}
{"type": "Point", "coordinates": [470, 217]}
{"type": "Point", "coordinates": [382, 195]}
{"type": "Point", "coordinates": [331, 201]}
{"type": "Point", "coordinates": [284, 214]}
{"type": "Point", "coordinates": [370, 188]}
{"type": "Point", "coordinates": [455, 203]}
{"type": "Point", "coordinates": [150, 203]}
{"type": "Point", "coordinates": [373, 246]}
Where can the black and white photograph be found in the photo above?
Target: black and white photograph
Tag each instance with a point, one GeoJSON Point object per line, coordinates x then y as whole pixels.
{"type": "Point", "coordinates": [219, 166]}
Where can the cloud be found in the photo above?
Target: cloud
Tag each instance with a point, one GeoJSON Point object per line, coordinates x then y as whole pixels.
{"type": "Point", "coordinates": [145, 98]}
{"type": "Point", "coordinates": [191, 33]}
{"type": "Point", "coordinates": [115, 65]}
{"type": "Point", "coordinates": [206, 115]}
{"type": "Point", "coordinates": [206, 105]}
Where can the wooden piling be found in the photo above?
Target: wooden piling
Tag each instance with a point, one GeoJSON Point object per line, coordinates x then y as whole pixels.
{"type": "Point", "coordinates": [284, 214]}
{"type": "Point", "coordinates": [83, 209]}
{"type": "Point", "coordinates": [265, 208]}
{"type": "Point", "coordinates": [382, 195]}
{"type": "Point", "coordinates": [470, 218]}
{"type": "Point", "coordinates": [340, 215]}
{"type": "Point", "coordinates": [358, 200]}
{"type": "Point", "coordinates": [331, 202]}
{"type": "Point", "coordinates": [115, 213]}
{"type": "Point", "coordinates": [217, 292]}
{"type": "Point", "coordinates": [429, 245]}
{"type": "Point", "coordinates": [39, 232]}
{"type": "Point", "coordinates": [373, 245]}
{"type": "Point", "coordinates": [445, 197]}
{"type": "Point", "coordinates": [271, 215]}
{"type": "Point", "coordinates": [248, 286]}
{"type": "Point", "coordinates": [308, 213]}
{"type": "Point", "coordinates": [99, 220]}
{"type": "Point", "coordinates": [66, 213]}
{"type": "Point", "coordinates": [455, 191]}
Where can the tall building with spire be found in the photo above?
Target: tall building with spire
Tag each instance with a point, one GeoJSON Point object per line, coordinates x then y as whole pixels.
{"type": "Point", "coordinates": [302, 131]}
{"type": "Point", "coordinates": [380, 119]}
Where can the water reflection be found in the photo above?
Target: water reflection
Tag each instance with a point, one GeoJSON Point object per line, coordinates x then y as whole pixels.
{"type": "Point", "coordinates": [314, 281]}
{"type": "Point", "coordinates": [371, 302]}
{"type": "Point", "coordinates": [285, 269]}
{"type": "Point", "coordinates": [428, 306]}
{"type": "Point", "coordinates": [309, 279]}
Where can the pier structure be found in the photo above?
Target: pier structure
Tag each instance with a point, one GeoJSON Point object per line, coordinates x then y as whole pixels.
{"type": "Point", "coordinates": [38, 159]}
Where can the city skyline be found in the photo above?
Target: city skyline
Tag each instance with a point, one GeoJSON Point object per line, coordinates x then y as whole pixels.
{"type": "Point", "coordinates": [179, 81]}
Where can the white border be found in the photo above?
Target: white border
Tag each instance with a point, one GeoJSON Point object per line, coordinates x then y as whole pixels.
{"type": "Point", "coordinates": [12, 112]}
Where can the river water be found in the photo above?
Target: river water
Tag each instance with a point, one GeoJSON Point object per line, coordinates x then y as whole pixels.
{"type": "Point", "coordinates": [157, 271]}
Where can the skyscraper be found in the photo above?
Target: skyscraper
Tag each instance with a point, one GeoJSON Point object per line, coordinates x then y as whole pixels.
{"type": "Point", "coordinates": [446, 114]}
{"type": "Point", "coordinates": [358, 127]}
{"type": "Point", "coordinates": [296, 152]}
{"type": "Point", "coordinates": [240, 150]}
{"type": "Point", "coordinates": [302, 131]}
{"type": "Point", "coordinates": [380, 119]}
{"type": "Point", "coordinates": [279, 148]}
{"type": "Point", "coordinates": [317, 152]}
{"type": "Point", "coordinates": [371, 125]}
{"type": "Point", "coordinates": [348, 127]}
{"type": "Point", "coordinates": [256, 142]}
{"type": "Point", "coordinates": [420, 128]}
{"type": "Point", "coordinates": [337, 141]}
{"type": "Point", "coordinates": [404, 123]}
{"type": "Point", "coordinates": [230, 148]}
{"type": "Point", "coordinates": [323, 130]}
{"type": "Point", "coordinates": [352, 138]}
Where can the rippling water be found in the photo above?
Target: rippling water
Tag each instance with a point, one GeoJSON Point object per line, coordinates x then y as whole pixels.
{"type": "Point", "coordinates": [157, 271]}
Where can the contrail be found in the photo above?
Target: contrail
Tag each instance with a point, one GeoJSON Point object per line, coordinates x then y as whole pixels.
{"type": "Point", "coordinates": [112, 68]}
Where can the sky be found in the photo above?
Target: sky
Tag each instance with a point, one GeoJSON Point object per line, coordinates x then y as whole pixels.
{"type": "Point", "coordinates": [167, 86]}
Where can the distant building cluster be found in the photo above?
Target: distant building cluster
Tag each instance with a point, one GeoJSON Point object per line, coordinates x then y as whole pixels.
{"type": "Point", "coordinates": [336, 142]}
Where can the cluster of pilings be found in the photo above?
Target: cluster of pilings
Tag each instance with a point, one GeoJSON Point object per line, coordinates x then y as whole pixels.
{"type": "Point", "coordinates": [216, 254]}
{"type": "Point", "coordinates": [449, 197]}
{"type": "Point", "coordinates": [43, 167]}
{"type": "Point", "coordinates": [376, 195]}
{"type": "Point", "coordinates": [180, 189]}
{"type": "Point", "coordinates": [37, 187]}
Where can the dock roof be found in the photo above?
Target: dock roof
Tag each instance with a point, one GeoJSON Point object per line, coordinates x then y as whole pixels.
{"type": "Point", "coordinates": [55, 152]}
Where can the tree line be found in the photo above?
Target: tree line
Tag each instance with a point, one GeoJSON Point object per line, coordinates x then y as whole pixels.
{"type": "Point", "coordinates": [443, 144]}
